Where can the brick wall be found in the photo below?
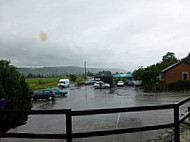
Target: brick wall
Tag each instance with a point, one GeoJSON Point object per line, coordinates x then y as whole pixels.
{"type": "Point", "coordinates": [175, 73]}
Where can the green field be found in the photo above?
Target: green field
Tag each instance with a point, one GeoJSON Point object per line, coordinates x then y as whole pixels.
{"type": "Point", "coordinates": [42, 83]}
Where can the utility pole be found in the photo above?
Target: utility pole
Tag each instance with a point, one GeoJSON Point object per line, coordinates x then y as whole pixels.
{"type": "Point", "coordinates": [85, 70]}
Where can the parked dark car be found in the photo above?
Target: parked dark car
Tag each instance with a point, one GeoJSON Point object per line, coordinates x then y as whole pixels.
{"type": "Point", "coordinates": [130, 83]}
{"type": "Point", "coordinates": [44, 94]}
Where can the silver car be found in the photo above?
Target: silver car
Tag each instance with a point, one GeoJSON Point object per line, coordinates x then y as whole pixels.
{"type": "Point", "coordinates": [120, 83]}
{"type": "Point", "coordinates": [101, 85]}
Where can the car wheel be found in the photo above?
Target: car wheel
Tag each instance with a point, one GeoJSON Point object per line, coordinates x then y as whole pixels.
{"type": "Point", "coordinates": [50, 98]}
{"type": "Point", "coordinates": [33, 99]}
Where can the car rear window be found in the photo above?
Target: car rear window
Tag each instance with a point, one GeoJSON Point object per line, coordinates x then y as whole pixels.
{"type": "Point", "coordinates": [40, 92]}
{"type": "Point", "coordinates": [47, 91]}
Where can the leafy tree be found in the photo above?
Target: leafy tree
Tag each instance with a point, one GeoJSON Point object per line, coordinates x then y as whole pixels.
{"type": "Point", "coordinates": [149, 75]}
{"type": "Point", "coordinates": [90, 74]}
{"type": "Point", "coordinates": [187, 59]}
{"type": "Point", "coordinates": [72, 77]}
{"type": "Point", "coordinates": [30, 75]}
{"type": "Point", "coordinates": [15, 90]}
{"type": "Point", "coordinates": [39, 76]}
{"type": "Point", "coordinates": [138, 74]}
{"type": "Point", "coordinates": [169, 57]}
{"type": "Point", "coordinates": [104, 73]}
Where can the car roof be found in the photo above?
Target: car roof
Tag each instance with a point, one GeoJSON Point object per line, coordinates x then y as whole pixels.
{"type": "Point", "coordinates": [64, 80]}
{"type": "Point", "coordinates": [99, 81]}
{"type": "Point", "coordinates": [53, 88]}
{"type": "Point", "coordinates": [45, 90]}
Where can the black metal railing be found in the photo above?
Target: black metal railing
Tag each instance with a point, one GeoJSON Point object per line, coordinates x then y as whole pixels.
{"type": "Point", "coordinates": [69, 135]}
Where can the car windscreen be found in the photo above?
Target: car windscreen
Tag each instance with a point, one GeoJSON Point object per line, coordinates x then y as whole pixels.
{"type": "Point", "coordinates": [62, 82]}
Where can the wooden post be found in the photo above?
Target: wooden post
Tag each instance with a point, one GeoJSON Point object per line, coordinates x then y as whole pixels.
{"type": "Point", "coordinates": [176, 123]}
{"type": "Point", "coordinates": [69, 126]}
{"type": "Point", "coordinates": [189, 111]}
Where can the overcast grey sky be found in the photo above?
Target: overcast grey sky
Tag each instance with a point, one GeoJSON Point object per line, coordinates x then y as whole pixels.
{"type": "Point", "coordinates": [105, 33]}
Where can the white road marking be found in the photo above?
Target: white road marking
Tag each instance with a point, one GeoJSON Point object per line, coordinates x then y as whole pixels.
{"type": "Point", "coordinates": [117, 124]}
{"type": "Point", "coordinates": [118, 120]}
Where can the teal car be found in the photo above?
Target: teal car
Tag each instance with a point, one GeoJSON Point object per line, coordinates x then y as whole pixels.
{"type": "Point", "coordinates": [58, 91]}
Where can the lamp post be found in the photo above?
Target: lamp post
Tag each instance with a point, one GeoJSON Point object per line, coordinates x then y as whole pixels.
{"type": "Point", "coordinates": [85, 70]}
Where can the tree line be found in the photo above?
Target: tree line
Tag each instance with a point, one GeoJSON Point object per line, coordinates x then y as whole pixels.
{"type": "Point", "coordinates": [100, 73]}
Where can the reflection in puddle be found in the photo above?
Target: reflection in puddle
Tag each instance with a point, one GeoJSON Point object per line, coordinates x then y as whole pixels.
{"type": "Point", "coordinates": [47, 105]}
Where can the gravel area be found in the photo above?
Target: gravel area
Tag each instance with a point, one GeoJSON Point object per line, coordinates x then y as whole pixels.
{"type": "Point", "coordinates": [168, 136]}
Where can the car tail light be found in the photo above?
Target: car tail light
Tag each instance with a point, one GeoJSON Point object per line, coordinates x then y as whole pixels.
{"type": "Point", "coordinates": [53, 93]}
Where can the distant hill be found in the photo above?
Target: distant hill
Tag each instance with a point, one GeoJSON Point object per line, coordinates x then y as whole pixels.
{"type": "Point", "coordinates": [65, 70]}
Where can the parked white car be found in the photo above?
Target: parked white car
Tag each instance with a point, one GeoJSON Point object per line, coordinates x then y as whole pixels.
{"type": "Point", "coordinates": [120, 83]}
{"type": "Point", "coordinates": [89, 82]}
{"type": "Point", "coordinates": [101, 85]}
{"type": "Point", "coordinates": [63, 83]}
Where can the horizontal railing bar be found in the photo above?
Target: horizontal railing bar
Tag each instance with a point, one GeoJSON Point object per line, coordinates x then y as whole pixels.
{"type": "Point", "coordinates": [35, 112]}
{"type": "Point", "coordinates": [33, 136]}
{"type": "Point", "coordinates": [118, 110]}
{"type": "Point", "coordinates": [93, 112]}
{"type": "Point", "coordinates": [185, 117]}
{"type": "Point", "coordinates": [183, 101]}
{"type": "Point", "coordinates": [121, 131]}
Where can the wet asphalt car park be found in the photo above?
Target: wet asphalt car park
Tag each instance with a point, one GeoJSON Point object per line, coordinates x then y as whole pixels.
{"type": "Point", "coordinates": [85, 98]}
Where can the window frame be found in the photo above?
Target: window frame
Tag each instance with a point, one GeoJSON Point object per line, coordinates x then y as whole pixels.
{"type": "Point", "coordinates": [185, 73]}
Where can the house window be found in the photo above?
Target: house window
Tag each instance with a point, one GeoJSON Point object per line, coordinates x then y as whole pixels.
{"type": "Point", "coordinates": [185, 76]}
{"type": "Point", "coordinates": [162, 76]}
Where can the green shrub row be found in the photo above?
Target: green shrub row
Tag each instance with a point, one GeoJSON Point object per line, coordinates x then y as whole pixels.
{"type": "Point", "coordinates": [173, 86]}
{"type": "Point", "coordinates": [179, 85]}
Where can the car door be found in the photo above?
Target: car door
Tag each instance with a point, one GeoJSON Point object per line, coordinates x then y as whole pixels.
{"type": "Point", "coordinates": [46, 94]}
{"type": "Point", "coordinates": [103, 85]}
{"type": "Point", "coordinates": [40, 94]}
{"type": "Point", "coordinates": [99, 85]}
{"type": "Point", "coordinates": [56, 91]}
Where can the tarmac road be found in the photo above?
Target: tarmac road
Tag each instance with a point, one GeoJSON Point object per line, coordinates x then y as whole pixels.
{"type": "Point", "coordinates": [86, 97]}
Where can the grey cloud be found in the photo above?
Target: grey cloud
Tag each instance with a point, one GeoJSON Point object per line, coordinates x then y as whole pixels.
{"type": "Point", "coordinates": [105, 33]}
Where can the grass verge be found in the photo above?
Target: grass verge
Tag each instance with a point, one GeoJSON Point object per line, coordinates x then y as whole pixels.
{"type": "Point", "coordinates": [42, 83]}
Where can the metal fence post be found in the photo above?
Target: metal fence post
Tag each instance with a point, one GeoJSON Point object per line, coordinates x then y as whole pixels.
{"type": "Point", "coordinates": [176, 123]}
{"type": "Point", "coordinates": [69, 126]}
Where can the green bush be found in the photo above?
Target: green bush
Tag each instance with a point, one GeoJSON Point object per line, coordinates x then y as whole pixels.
{"type": "Point", "coordinates": [15, 90]}
{"type": "Point", "coordinates": [179, 85]}
{"type": "Point", "coordinates": [72, 77]}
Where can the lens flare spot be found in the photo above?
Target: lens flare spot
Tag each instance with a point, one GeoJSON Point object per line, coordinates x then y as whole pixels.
{"type": "Point", "coordinates": [43, 36]}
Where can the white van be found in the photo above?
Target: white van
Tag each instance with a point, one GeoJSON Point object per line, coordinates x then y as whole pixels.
{"type": "Point", "coordinates": [63, 83]}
